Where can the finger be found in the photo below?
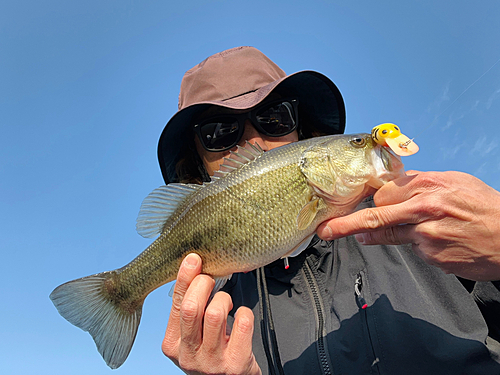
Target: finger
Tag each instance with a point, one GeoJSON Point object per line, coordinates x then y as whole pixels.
{"type": "Point", "coordinates": [189, 269]}
{"type": "Point", "coordinates": [240, 341]}
{"type": "Point", "coordinates": [396, 191]}
{"type": "Point", "coordinates": [192, 311]}
{"type": "Point", "coordinates": [214, 323]}
{"type": "Point", "coordinates": [412, 172]}
{"type": "Point", "coordinates": [405, 188]}
{"type": "Point", "coordinates": [397, 235]}
{"type": "Point", "coordinates": [370, 219]}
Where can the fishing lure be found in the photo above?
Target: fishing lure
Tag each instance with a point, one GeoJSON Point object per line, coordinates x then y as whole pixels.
{"type": "Point", "coordinates": [389, 135]}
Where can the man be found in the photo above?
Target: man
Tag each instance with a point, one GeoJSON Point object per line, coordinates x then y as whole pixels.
{"type": "Point", "coordinates": [341, 307]}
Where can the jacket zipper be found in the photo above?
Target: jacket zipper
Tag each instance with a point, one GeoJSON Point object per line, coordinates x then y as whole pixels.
{"type": "Point", "coordinates": [320, 339]}
{"type": "Point", "coordinates": [363, 310]}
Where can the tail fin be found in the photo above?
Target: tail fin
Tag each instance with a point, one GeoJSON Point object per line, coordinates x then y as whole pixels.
{"type": "Point", "coordinates": [86, 304]}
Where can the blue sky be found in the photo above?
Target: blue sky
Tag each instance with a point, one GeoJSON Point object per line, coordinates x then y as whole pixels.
{"type": "Point", "coordinates": [86, 88]}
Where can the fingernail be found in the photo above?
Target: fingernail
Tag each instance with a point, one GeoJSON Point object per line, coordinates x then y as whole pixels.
{"type": "Point", "coordinates": [360, 237]}
{"type": "Point", "coordinates": [327, 232]}
{"type": "Point", "coordinates": [191, 261]}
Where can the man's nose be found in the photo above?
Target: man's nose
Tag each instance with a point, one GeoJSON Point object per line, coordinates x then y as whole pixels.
{"type": "Point", "coordinates": [253, 136]}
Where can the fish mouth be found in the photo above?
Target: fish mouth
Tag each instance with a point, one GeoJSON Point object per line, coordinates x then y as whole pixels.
{"type": "Point", "coordinates": [389, 158]}
{"type": "Point", "coordinates": [388, 167]}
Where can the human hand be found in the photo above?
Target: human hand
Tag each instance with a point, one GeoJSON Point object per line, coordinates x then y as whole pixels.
{"type": "Point", "coordinates": [452, 220]}
{"type": "Point", "coordinates": [196, 338]}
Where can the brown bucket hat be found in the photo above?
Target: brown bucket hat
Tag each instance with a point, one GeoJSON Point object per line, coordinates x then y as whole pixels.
{"type": "Point", "coordinates": [240, 78]}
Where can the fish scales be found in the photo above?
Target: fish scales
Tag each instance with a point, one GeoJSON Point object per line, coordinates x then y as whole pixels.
{"type": "Point", "coordinates": [265, 209]}
{"type": "Point", "coordinates": [222, 225]}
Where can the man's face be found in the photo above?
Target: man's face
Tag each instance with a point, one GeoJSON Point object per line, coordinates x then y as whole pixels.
{"type": "Point", "coordinates": [213, 160]}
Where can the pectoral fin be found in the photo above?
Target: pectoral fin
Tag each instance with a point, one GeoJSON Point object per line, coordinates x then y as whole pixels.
{"type": "Point", "coordinates": [308, 213]}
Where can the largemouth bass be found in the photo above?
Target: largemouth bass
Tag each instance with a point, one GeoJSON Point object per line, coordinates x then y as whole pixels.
{"type": "Point", "coordinates": [260, 206]}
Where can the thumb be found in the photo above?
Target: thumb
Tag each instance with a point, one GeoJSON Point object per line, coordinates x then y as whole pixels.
{"type": "Point", "coordinates": [412, 172]}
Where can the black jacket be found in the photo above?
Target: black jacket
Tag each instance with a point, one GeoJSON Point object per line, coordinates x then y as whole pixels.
{"type": "Point", "coordinates": [343, 308]}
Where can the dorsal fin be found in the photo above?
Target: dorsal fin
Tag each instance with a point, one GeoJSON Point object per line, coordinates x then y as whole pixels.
{"type": "Point", "coordinates": [157, 207]}
{"type": "Point", "coordinates": [238, 159]}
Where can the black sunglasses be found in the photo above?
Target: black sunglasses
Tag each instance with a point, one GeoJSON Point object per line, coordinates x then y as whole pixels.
{"type": "Point", "coordinates": [273, 119]}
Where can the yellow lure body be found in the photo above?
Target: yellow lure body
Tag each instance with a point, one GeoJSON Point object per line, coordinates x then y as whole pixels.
{"type": "Point", "coordinates": [389, 135]}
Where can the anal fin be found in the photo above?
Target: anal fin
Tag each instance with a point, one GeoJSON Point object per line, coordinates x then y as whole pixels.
{"type": "Point", "coordinates": [219, 284]}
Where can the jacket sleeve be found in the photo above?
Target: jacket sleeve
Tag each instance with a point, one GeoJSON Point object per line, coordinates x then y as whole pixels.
{"type": "Point", "coordinates": [487, 296]}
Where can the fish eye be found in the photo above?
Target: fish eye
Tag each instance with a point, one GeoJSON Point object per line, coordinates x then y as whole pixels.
{"type": "Point", "coordinates": [384, 131]}
{"type": "Point", "coordinates": [358, 141]}
{"type": "Point", "coordinates": [396, 128]}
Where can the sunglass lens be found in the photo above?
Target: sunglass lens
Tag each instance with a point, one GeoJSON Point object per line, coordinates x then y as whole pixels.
{"type": "Point", "coordinates": [278, 119]}
{"type": "Point", "coordinates": [219, 134]}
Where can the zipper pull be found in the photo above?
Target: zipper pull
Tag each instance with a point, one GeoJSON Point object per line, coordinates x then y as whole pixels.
{"type": "Point", "coordinates": [287, 264]}
{"type": "Point", "coordinates": [358, 286]}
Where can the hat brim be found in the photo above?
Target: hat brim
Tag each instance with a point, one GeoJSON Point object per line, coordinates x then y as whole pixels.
{"type": "Point", "coordinates": [319, 100]}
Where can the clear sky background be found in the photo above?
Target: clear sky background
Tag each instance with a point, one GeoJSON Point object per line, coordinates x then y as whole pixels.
{"type": "Point", "coordinates": [86, 88]}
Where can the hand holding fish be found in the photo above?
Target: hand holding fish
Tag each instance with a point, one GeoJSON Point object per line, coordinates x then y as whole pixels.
{"type": "Point", "coordinates": [451, 218]}
{"type": "Point", "coordinates": [196, 338]}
